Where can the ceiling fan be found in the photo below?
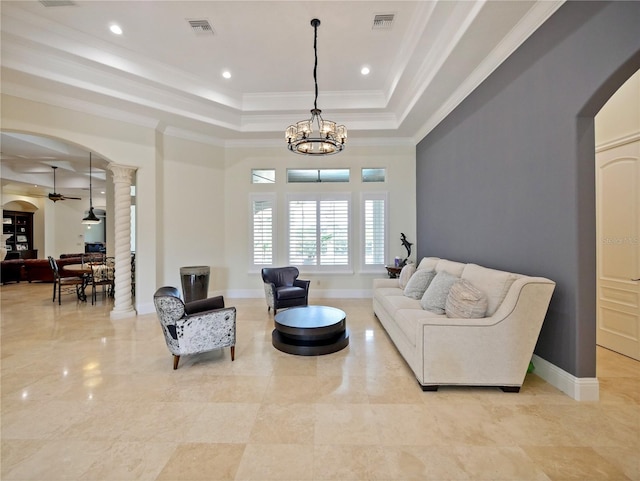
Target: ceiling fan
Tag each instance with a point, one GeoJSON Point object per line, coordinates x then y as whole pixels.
{"type": "Point", "coordinates": [55, 196]}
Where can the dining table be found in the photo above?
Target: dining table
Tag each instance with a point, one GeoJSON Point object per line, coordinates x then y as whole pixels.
{"type": "Point", "coordinates": [80, 270]}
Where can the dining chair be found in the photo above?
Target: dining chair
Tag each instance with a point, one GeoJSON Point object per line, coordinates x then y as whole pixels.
{"type": "Point", "coordinates": [102, 274]}
{"type": "Point", "coordinates": [59, 281]}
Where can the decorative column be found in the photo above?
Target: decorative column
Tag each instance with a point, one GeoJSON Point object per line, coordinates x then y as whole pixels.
{"type": "Point", "coordinates": [122, 228]}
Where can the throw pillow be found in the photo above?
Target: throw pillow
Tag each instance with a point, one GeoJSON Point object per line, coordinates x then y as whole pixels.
{"type": "Point", "coordinates": [466, 301]}
{"type": "Point", "coordinates": [428, 263]}
{"type": "Point", "coordinates": [405, 274]}
{"type": "Point", "coordinates": [435, 297]}
{"type": "Point", "coordinates": [495, 284]}
{"type": "Point", "coordinates": [418, 284]}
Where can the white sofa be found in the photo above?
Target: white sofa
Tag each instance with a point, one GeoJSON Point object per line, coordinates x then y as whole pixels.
{"type": "Point", "coordinates": [491, 351]}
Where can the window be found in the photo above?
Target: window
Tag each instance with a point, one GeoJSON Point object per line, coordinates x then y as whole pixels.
{"type": "Point", "coordinates": [262, 229]}
{"type": "Point", "coordinates": [317, 175]}
{"type": "Point", "coordinates": [374, 226]}
{"type": "Point", "coordinates": [374, 175]}
{"type": "Point", "coordinates": [319, 226]}
{"type": "Point", "coordinates": [263, 176]}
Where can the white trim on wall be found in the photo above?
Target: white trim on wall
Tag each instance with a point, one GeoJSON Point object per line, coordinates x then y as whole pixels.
{"type": "Point", "coordinates": [618, 142]}
{"type": "Point", "coordinates": [578, 388]}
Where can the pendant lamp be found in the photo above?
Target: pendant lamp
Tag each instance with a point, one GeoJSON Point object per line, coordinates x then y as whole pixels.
{"type": "Point", "coordinates": [316, 136]}
{"type": "Point", "coordinates": [91, 218]}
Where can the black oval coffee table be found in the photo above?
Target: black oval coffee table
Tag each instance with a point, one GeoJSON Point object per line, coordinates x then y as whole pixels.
{"type": "Point", "coordinates": [310, 330]}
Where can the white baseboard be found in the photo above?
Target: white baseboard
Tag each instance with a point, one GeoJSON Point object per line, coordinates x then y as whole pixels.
{"type": "Point", "coordinates": [578, 388]}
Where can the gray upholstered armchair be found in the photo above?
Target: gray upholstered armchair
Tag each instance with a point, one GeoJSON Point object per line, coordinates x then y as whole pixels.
{"type": "Point", "coordinates": [194, 327]}
{"type": "Point", "coordinates": [282, 288]}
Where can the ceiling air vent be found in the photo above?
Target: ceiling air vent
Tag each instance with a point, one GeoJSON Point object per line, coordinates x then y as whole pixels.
{"type": "Point", "coordinates": [383, 21]}
{"type": "Point", "coordinates": [201, 27]}
{"type": "Point", "coordinates": [57, 3]}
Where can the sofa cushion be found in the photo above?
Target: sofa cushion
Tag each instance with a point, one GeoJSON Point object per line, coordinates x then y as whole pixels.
{"type": "Point", "coordinates": [405, 274]}
{"type": "Point", "coordinates": [428, 263]}
{"type": "Point", "coordinates": [290, 292]}
{"type": "Point", "coordinates": [465, 301]}
{"type": "Point", "coordinates": [391, 303]}
{"type": "Point", "coordinates": [408, 320]}
{"type": "Point", "coordinates": [495, 284]}
{"type": "Point", "coordinates": [418, 284]}
{"type": "Point", "coordinates": [435, 297]}
{"type": "Point", "coordinates": [452, 267]}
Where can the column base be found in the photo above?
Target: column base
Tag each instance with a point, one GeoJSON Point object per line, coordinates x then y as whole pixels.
{"type": "Point", "coordinates": [123, 314]}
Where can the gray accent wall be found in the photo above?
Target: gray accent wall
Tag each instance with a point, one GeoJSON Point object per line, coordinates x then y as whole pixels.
{"type": "Point", "coordinates": [507, 180]}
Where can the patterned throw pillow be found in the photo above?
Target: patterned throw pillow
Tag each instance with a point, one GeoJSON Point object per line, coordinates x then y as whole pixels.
{"type": "Point", "coordinates": [405, 274]}
{"type": "Point", "coordinates": [418, 283]}
{"type": "Point", "coordinates": [465, 301]}
{"type": "Point", "coordinates": [435, 297]}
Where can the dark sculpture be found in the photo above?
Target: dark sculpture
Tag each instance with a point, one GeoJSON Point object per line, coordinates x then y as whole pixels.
{"type": "Point", "coordinates": [407, 245]}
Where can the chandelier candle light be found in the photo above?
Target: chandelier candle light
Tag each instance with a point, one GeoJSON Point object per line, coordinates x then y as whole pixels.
{"type": "Point", "coordinates": [316, 136]}
{"type": "Point", "coordinates": [91, 218]}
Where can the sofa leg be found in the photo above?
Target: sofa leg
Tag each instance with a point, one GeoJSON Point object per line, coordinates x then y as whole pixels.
{"type": "Point", "coordinates": [176, 360]}
{"type": "Point", "coordinates": [510, 388]}
{"type": "Point", "coordinates": [429, 388]}
{"type": "Point", "coordinates": [233, 352]}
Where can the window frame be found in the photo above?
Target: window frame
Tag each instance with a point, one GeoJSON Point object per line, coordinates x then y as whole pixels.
{"type": "Point", "coordinates": [262, 197]}
{"type": "Point", "coordinates": [372, 196]}
{"type": "Point", "coordinates": [319, 198]}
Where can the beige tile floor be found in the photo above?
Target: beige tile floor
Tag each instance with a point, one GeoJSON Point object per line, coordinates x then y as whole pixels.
{"type": "Point", "coordinates": [87, 398]}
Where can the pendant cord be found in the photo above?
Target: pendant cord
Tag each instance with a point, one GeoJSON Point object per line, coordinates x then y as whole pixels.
{"type": "Point", "coordinates": [90, 185]}
{"type": "Point", "coordinates": [315, 66]}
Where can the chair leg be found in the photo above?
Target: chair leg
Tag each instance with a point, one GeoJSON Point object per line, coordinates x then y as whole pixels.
{"type": "Point", "coordinates": [233, 352]}
{"type": "Point", "coordinates": [176, 360]}
{"type": "Point", "coordinates": [59, 294]}
{"type": "Point", "coordinates": [54, 291]}
{"type": "Point", "coordinates": [268, 308]}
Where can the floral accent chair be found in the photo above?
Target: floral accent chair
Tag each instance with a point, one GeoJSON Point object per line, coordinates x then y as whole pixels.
{"type": "Point", "coordinates": [194, 327]}
{"type": "Point", "coordinates": [282, 288]}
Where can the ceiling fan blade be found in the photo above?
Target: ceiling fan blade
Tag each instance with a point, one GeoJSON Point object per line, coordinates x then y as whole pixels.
{"type": "Point", "coordinates": [64, 197]}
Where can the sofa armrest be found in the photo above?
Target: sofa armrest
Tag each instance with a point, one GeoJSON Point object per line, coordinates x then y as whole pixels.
{"type": "Point", "coordinates": [386, 283]}
{"type": "Point", "coordinates": [494, 350]}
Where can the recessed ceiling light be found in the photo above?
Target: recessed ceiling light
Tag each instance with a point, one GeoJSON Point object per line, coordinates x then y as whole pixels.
{"type": "Point", "coordinates": [115, 29]}
{"type": "Point", "coordinates": [365, 70]}
{"type": "Point", "coordinates": [226, 74]}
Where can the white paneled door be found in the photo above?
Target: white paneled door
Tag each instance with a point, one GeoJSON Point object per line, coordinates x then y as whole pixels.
{"type": "Point", "coordinates": [618, 253]}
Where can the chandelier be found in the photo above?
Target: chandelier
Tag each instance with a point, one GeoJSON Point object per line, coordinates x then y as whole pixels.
{"type": "Point", "coordinates": [316, 136]}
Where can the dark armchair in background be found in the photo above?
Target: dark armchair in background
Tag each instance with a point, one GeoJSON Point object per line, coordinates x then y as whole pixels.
{"type": "Point", "coordinates": [282, 288]}
{"type": "Point", "coordinates": [194, 327]}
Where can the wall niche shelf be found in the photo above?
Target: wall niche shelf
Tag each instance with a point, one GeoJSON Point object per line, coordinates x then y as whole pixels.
{"type": "Point", "coordinates": [19, 226]}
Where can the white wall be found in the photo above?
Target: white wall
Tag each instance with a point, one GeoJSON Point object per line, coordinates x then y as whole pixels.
{"type": "Point", "coordinates": [192, 205]}
{"type": "Point", "coordinates": [69, 231]}
{"type": "Point", "coordinates": [400, 164]}
{"type": "Point", "coordinates": [193, 198]}
{"type": "Point", "coordinates": [620, 116]}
